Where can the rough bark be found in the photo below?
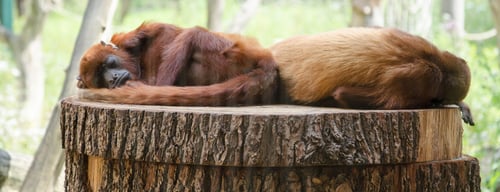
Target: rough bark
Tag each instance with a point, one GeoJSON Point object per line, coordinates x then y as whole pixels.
{"type": "Point", "coordinates": [48, 160]}
{"type": "Point", "coordinates": [367, 13]}
{"type": "Point", "coordinates": [263, 148]}
{"type": "Point", "coordinates": [86, 173]}
{"type": "Point", "coordinates": [260, 136]}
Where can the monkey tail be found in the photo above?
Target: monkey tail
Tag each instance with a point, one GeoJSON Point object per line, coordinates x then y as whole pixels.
{"type": "Point", "coordinates": [256, 87]}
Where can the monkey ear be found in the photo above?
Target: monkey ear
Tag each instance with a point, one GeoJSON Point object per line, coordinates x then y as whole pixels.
{"type": "Point", "coordinates": [103, 43]}
{"type": "Point", "coordinates": [79, 78]}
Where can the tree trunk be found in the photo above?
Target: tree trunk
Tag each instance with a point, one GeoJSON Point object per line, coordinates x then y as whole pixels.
{"type": "Point", "coordinates": [48, 159]}
{"type": "Point", "coordinates": [215, 13]}
{"type": "Point", "coordinates": [452, 12]}
{"type": "Point", "coordinates": [367, 13]}
{"type": "Point", "coordinates": [27, 53]}
{"type": "Point", "coordinates": [263, 148]}
{"type": "Point", "coordinates": [495, 9]}
{"type": "Point", "coordinates": [413, 16]}
{"type": "Point", "coordinates": [124, 10]}
{"type": "Point", "coordinates": [241, 19]}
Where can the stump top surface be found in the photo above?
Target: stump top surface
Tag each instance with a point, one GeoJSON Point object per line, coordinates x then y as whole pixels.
{"type": "Point", "coordinates": [240, 110]}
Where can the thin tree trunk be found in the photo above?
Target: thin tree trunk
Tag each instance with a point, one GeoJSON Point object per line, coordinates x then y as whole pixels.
{"type": "Point", "coordinates": [48, 159]}
{"type": "Point", "coordinates": [215, 13]}
{"type": "Point", "coordinates": [124, 9]}
{"type": "Point", "coordinates": [246, 12]}
{"type": "Point", "coordinates": [27, 54]}
{"type": "Point", "coordinates": [367, 13]}
{"type": "Point", "coordinates": [454, 18]}
{"type": "Point", "coordinates": [413, 16]}
{"type": "Point", "coordinates": [495, 9]}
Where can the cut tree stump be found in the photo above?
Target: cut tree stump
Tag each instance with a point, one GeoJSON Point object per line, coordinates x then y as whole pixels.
{"type": "Point", "coordinates": [113, 147]}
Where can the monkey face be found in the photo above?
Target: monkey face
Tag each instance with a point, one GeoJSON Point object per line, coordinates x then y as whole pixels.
{"type": "Point", "coordinates": [103, 66]}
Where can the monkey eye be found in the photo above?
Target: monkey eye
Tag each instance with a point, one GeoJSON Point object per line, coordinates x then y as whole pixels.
{"type": "Point", "coordinates": [110, 62]}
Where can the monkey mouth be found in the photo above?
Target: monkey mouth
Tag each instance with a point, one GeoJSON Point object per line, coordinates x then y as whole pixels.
{"type": "Point", "coordinates": [121, 80]}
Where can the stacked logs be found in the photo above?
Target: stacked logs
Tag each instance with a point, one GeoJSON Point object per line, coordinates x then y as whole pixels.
{"type": "Point", "coordinates": [113, 147]}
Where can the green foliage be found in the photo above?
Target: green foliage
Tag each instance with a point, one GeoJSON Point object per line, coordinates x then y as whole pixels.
{"type": "Point", "coordinates": [275, 20]}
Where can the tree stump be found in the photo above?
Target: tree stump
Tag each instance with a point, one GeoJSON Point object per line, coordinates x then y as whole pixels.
{"type": "Point", "coordinates": [113, 147]}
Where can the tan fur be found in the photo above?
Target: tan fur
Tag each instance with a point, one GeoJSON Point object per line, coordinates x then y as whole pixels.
{"type": "Point", "coordinates": [388, 66]}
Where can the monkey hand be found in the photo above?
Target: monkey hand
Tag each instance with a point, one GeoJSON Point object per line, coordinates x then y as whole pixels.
{"type": "Point", "coordinates": [466, 114]}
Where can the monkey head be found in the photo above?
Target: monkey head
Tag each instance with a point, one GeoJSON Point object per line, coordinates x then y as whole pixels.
{"type": "Point", "coordinates": [106, 66]}
{"type": "Point", "coordinates": [456, 78]}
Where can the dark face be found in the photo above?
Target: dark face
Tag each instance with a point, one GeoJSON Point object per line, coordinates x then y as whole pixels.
{"type": "Point", "coordinates": [101, 67]}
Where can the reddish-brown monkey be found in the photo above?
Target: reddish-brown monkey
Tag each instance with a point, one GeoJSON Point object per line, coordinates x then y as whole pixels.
{"type": "Point", "coordinates": [374, 68]}
{"type": "Point", "coordinates": [236, 68]}
{"type": "Point", "coordinates": [350, 68]}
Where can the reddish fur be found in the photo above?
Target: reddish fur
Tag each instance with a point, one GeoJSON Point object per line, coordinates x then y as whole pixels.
{"type": "Point", "coordinates": [350, 68]}
{"type": "Point", "coordinates": [240, 70]}
{"type": "Point", "coordinates": [375, 68]}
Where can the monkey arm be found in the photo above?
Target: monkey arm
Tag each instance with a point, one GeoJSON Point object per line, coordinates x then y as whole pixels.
{"type": "Point", "coordinates": [179, 53]}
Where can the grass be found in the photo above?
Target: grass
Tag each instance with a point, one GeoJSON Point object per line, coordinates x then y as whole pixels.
{"type": "Point", "coordinates": [272, 22]}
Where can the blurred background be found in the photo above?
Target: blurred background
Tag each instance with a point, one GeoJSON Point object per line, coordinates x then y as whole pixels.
{"type": "Point", "coordinates": [37, 39]}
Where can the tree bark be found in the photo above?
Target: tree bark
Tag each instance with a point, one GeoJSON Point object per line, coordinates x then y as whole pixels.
{"type": "Point", "coordinates": [367, 13]}
{"type": "Point", "coordinates": [413, 16]}
{"type": "Point", "coordinates": [49, 157]}
{"type": "Point", "coordinates": [90, 173]}
{"type": "Point", "coordinates": [215, 13]}
{"type": "Point", "coordinates": [263, 148]}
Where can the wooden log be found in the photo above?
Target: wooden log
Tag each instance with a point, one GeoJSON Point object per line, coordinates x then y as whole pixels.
{"type": "Point", "coordinates": [90, 173]}
{"type": "Point", "coordinates": [270, 136]}
{"type": "Point", "coordinates": [262, 148]}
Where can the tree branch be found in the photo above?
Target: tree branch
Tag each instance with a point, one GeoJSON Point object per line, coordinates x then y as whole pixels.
{"type": "Point", "coordinates": [480, 36]}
